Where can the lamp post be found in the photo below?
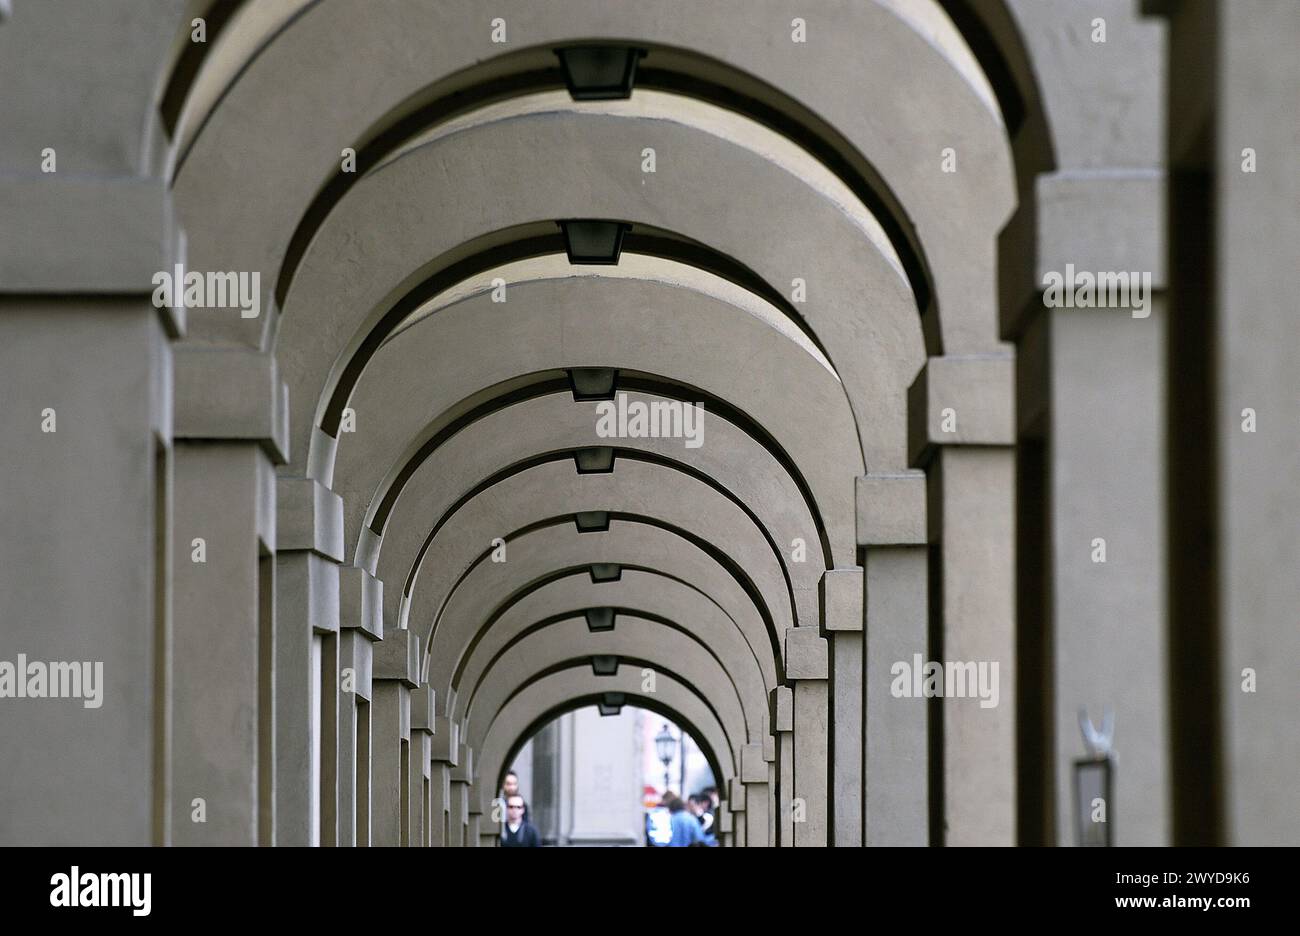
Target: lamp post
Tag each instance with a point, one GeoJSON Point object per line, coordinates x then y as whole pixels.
{"type": "Point", "coordinates": [681, 760]}
{"type": "Point", "coordinates": [664, 744]}
{"type": "Point", "coordinates": [1093, 782]}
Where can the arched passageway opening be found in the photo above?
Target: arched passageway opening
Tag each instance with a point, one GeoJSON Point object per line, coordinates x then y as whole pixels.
{"type": "Point", "coordinates": [606, 773]}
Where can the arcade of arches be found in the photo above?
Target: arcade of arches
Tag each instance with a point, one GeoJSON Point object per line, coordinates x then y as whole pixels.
{"type": "Point", "coordinates": [382, 379]}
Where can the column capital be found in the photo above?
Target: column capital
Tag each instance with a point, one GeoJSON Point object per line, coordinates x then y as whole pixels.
{"type": "Point", "coordinates": [1102, 221]}
{"type": "Point", "coordinates": [309, 518]}
{"type": "Point", "coordinates": [231, 393]}
{"type": "Point", "coordinates": [446, 741]}
{"type": "Point", "coordinates": [1105, 220]}
{"type": "Point", "coordinates": [753, 767]}
{"type": "Point", "coordinates": [397, 657]}
{"type": "Point", "coordinates": [423, 717]}
{"type": "Point", "coordinates": [782, 704]}
{"type": "Point", "coordinates": [891, 509]}
{"type": "Point", "coordinates": [396, 691]}
{"type": "Point", "coordinates": [961, 400]}
{"type": "Point", "coordinates": [361, 602]}
{"type": "Point", "coordinates": [840, 591]}
{"type": "Point", "coordinates": [88, 234]}
{"type": "Point", "coordinates": [806, 654]}
{"type": "Point", "coordinates": [463, 770]}
{"type": "Point", "coordinates": [355, 654]}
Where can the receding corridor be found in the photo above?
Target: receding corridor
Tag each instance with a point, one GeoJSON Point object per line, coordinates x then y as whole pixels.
{"type": "Point", "coordinates": [397, 395]}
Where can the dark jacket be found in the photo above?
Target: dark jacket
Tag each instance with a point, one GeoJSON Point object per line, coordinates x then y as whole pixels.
{"type": "Point", "coordinates": [525, 837]}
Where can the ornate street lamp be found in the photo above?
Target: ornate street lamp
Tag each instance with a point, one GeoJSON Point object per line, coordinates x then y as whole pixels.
{"type": "Point", "coordinates": [664, 744]}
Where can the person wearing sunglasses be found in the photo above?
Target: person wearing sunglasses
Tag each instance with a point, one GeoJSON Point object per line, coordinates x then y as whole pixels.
{"type": "Point", "coordinates": [518, 832]}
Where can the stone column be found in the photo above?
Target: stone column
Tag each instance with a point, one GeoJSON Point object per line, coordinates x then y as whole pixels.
{"type": "Point", "coordinates": [445, 756]}
{"type": "Point", "coordinates": [891, 526]}
{"type": "Point", "coordinates": [474, 816]}
{"type": "Point", "coordinates": [782, 771]}
{"type": "Point", "coordinates": [1104, 412]}
{"type": "Point", "coordinates": [396, 672]}
{"type": "Point", "coordinates": [361, 624]}
{"type": "Point", "coordinates": [223, 758]}
{"type": "Point", "coordinates": [309, 548]}
{"type": "Point", "coordinates": [330, 701]}
{"type": "Point", "coordinates": [755, 790]}
{"type": "Point", "coordinates": [807, 666]}
{"type": "Point", "coordinates": [962, 431]}
{"type": "Point", "coordinates": [1257, 356]}
{"type": "Point", "coordinates": [421, 777]}
{"type": "Point", "coordinates": [462, 776]}
{"type": "Point", "coordinates": [1091, 416]}
{"type": "Point", "coordinates": [564, 771]}
{"type": "Point", "coordinates": [86, 462]}
{"type": "Point", "coordinates": [724, 826]}
{"type": "Point", "coordinates": [1234, 434]}
{"type": "Point", "coordinates": [841, 610]}
{"type": "Point", "coordinates": [736, 806]}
